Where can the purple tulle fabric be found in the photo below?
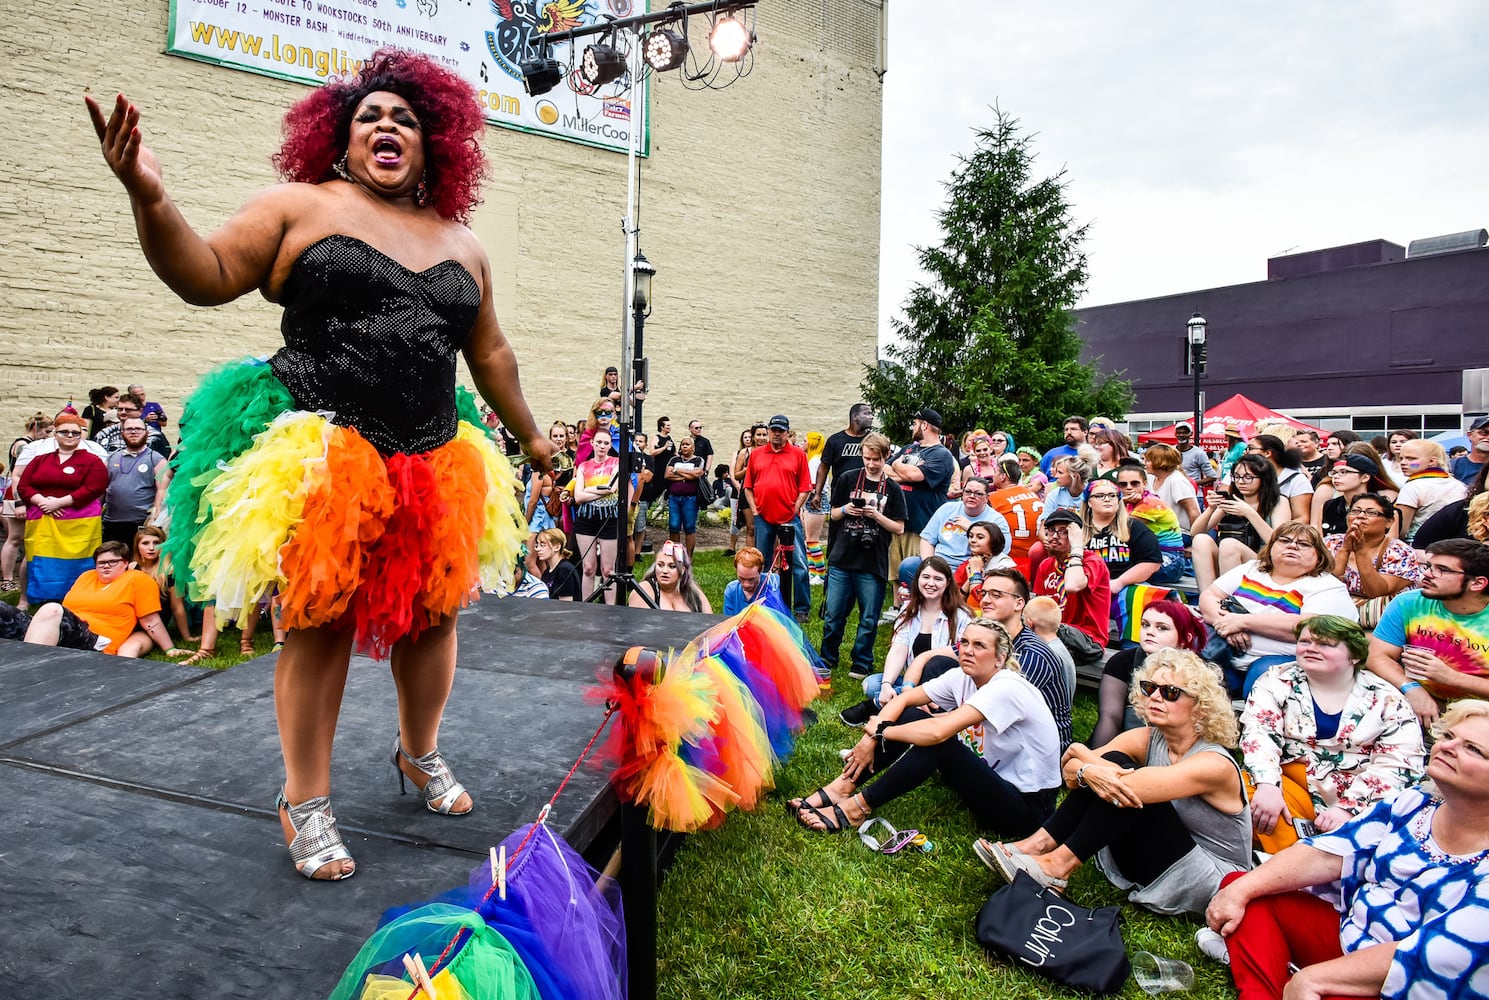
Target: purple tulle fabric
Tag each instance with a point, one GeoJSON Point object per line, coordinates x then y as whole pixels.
{"type": "Point", "coordinates": [779, 718]}
{"type": "Point", "coordinates": [561, 917]}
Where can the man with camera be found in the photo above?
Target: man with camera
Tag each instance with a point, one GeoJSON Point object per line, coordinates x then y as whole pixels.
{"type": "Point", "coordinates": [868, 510]}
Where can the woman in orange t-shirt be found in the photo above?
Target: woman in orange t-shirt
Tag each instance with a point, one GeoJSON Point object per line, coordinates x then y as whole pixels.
{"type": "Point", "coordinates": [110, 609]}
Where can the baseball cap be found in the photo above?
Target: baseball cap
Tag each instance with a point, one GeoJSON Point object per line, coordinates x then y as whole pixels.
{"type": "Point", "coordinates": [1064, 515]}
{"type": "Point", "coordinates": [612, 370]}
{"type": "Point", "coordinates": [1365, 467]}
{"type": "Point", "coordinates": [1479, 424]}
{"type": "Point", "coordinates": [930, 416]}
{"type": "Point", "coordinates": [779, 423]}
{"type": "Point", "coordinates": [1183, 425]}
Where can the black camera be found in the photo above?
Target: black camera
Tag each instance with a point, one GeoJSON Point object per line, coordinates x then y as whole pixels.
{"type": "Point", "coordinates": [862, 532]}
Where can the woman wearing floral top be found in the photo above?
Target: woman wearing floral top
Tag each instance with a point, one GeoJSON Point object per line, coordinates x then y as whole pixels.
{"type": "Point", "coordinates": [1373, 566]}
{"type": "Point", "coordinates": [1413, 873]}
{"type": "Point", "coordinates": [1322, 739]}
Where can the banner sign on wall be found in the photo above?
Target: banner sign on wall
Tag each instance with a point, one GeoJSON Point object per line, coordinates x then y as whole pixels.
{"type": "Point", "coordinates": [482, 40]}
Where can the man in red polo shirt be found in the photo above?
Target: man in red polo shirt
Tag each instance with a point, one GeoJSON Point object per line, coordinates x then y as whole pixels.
{"type": "Point", "coordinates": [776, 486]}
{"type": "Point", "coordinates": [1077, 579]}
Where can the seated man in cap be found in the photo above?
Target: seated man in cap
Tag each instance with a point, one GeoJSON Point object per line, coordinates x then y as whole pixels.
{"type": "Point", "coordinates": [1466, 469]}
{"type": "Point", "coordinates": [776, 486]}
{"type": "Point", "coordinates": [1076, 578]}
{"type": "Point", "coordinates": [1195, 463]}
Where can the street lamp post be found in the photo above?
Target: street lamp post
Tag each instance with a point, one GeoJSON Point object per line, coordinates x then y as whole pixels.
{"type": "Point", "coordinates": [1196, 337]}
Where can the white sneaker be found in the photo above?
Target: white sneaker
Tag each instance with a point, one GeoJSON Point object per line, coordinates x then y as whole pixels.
{"type": "Point", "coordinates": [889, 616]}
{"type": "Point", "coordinates": [1212, 945]}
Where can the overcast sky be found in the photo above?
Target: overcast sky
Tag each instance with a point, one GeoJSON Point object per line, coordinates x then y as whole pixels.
{"type": "Point", "coordinates": [1198, 139]}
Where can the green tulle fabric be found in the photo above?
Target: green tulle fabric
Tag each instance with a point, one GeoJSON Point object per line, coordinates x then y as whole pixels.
{"type": "Point", "coordinates": [467, 410]}
{"type": "Point", "coordinates": [485, 966]}
{"type": "Point", "coordinates": [233, 404]}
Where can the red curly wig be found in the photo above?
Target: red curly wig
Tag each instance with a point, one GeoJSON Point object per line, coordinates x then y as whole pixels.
{"type": "Point", "coordinates": [316, 127]}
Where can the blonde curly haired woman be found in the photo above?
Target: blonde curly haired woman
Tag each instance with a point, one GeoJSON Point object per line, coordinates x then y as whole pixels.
{"type": "Point", "coordinates": [1162, 808]}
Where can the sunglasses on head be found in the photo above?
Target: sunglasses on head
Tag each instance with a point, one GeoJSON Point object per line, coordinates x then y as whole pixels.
{"type": "Point", "coordinates": [1170, 692]}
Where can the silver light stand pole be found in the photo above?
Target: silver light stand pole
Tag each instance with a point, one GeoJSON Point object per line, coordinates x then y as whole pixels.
{"type": "Point", "coordinates": [621, 576]}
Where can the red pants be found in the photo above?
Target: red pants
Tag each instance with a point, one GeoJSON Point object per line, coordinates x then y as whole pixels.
{"type": "Point", "coordinates": [1288, 927]}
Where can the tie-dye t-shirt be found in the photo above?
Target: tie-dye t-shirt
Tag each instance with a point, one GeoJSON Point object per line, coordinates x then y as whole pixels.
{"type": "Point", "coordinates": [1460, 641]}
{"type": "Point", "coordinates": [1258, 592]}
{"type": "Point", "coordinates": [1162, 521]}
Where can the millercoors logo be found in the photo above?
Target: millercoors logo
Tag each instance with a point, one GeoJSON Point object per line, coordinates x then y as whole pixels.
{"type": "Point", "coordinates": [1046, 934]}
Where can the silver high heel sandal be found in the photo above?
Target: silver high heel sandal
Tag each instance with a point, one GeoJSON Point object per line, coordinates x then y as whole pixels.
{"type": "Point", "coordinates": [317, 842]}
{"type": "Point", "coordinates": [442, 791]}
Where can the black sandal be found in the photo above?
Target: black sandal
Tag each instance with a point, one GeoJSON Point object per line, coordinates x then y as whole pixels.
{"type": "Point", "coordinates": [805, 802]}
{"type": "Point", "coordinates": [836, 823]}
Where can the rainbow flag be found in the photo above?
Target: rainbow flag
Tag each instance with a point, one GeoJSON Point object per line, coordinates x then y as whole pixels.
{"type": "Point", "coordinates": [1287, 601]}
{"type": "Point", "coordinates": [1130, 602]}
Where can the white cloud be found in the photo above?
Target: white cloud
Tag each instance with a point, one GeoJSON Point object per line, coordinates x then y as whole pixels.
{"type": "Point", "coordinates": [1197, 141]}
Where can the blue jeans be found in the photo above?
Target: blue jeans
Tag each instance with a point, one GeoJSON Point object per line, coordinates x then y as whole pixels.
{"type": "Point", "coordinates": [844, 590]}
{"type": "Point", "coordinates": [682, 514]}
{"type": "Point", "coordinates": [801, 584]}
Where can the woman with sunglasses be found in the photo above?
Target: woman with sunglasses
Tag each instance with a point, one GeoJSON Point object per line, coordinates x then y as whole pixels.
{"type": "Point", "coordinates": [1164, 625]}
{"type": "Point", "coordinates": [1237, 523]}
{"type": "Point", "coordinates": [669, 582]}
{"type": "Point", "coordinates": [1162, 808]}
{"type": "Point", "coordinates": [1374, 566]}
{"type": "Point", "coordinates": [1324, 739]}
{"type": "Point", "coordinates": [1256, 607]}
{"type": "Point", "coordinates": [1392, 905]}
{"type": "Point", "coordinates": [63, 488]}
{"type": "Point", "coordinates": [983, 727]}
{"type": "Point", "coordinates": [601, 417]}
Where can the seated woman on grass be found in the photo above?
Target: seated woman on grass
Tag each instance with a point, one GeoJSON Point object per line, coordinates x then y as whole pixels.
{"type": "Point", "coordinates": [1324, 739]}
{"type": "Point", "coordinates": [993, 741]}
{"type": "Point", "coordinates": [1162, 809]}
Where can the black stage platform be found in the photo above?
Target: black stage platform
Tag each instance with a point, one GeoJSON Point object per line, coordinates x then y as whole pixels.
{"type": "Point", "coordinates": [140, 854]}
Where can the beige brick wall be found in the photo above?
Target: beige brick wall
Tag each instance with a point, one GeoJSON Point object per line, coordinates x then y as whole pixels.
{"type": "Point", "coordinates": [760, 209]}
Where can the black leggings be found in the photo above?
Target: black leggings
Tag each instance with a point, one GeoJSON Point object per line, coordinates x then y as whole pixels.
{"type": "Point", "coordinates": [1144, 842]}
{"type": "Point", "coordinates": [996, 804]}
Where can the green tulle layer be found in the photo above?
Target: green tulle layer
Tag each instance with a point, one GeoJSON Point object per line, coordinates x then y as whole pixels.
{"type": "Point", "coordinates": [233, 404]}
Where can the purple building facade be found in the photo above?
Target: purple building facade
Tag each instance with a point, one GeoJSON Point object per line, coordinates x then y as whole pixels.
{"type": "Point", "coordinates": [1367, 337]}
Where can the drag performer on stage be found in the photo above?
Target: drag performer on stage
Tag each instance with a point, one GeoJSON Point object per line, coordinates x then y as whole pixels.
{"type": "Point", "coordinates": [340, 471]}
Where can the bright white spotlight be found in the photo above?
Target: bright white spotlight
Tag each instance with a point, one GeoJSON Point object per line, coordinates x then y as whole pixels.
{"type": "Point", "coordinates": [730, 40]}
{"type": "Point", "coordinates": [665, 50]}
{"type": "Point", "coordinates": [601, 64]}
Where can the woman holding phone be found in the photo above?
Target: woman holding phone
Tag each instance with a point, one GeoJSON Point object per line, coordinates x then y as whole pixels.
{"type": "Point", "coordinates": [1235, 525]}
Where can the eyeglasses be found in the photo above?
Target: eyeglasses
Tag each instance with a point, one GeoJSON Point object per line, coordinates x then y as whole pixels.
{"type": "Point", "coordinates": [1346, 471]}
{"type": "Point", "coordinates": [69, 434]}
{"type": "Point", "coordinates": [1292, 542]}
{"type": "Point", "coordinates": [990, 594]}
{"type": "Point", "coordinates": [1241, 477]}
{"type": "Point", "coordinates": [1367, 512]}
{"type": "Point", "coordinates": [1253, 451]}
{"type": "Point", "coordinates": [999, 440]}
{"type": "Point", "coordinates": [1131, 484]}
{"type": "Point", "coordinates": [1438, 569]}
{"type": "Point", "coordinates": [102, 563]}
{"type": "Point", "coordinates": [1103, 496]}
{"type": "Point", "coordinates": [974, 493]}
{"type": "Point", "coordinates": [1170, 692]}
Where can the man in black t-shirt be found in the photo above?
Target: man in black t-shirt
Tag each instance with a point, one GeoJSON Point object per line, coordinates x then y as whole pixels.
{"type": "Point", "coordinates": [842, 455]}
{"type": "Point", "coordinates": [702, 446]}
{"type": "Point", "coordinates": [869, 509]}
{"type": "Point", "coordinates": [1315, 463]}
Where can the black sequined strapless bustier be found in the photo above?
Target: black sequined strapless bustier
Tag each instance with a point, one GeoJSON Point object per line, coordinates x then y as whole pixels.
{"type": "Point", "coordinates": [375, 343]}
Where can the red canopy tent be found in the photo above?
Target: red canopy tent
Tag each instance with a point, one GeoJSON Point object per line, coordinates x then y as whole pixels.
{"type": "Point", "coordinates": [1239, 412]}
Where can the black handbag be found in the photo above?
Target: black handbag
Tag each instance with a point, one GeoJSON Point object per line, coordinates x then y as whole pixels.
{"type": "Point", "coordinates": [1061, 940]}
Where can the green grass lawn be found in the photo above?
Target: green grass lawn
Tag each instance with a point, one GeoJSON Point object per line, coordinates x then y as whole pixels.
{"type": "Point", "coordinates": [762, 907]}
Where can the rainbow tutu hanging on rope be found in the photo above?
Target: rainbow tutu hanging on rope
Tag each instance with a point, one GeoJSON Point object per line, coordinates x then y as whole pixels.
{"type": "Point", "coordinates": [265, 497]}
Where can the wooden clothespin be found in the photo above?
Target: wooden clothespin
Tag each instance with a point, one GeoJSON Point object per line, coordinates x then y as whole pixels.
{"type": "Point", "coordinates": [500, 867]}
{"type": "Point", "coordinates": [414, 965]}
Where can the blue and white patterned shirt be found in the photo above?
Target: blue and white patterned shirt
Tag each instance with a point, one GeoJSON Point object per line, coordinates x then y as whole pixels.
{"type": "Point", "coordinates": [1399, 886]}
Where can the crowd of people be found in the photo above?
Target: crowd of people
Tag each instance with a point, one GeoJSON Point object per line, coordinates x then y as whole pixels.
{"type": "Point", "coordinates": [1318, 693]}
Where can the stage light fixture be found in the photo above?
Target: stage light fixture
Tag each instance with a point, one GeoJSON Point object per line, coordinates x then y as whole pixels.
{"type": "Point", "coordinates": [601, 64]}
{"type": "Point", "coordinates": [665, 49]}
{"type": "Point", "coordinates": [730, 39]}
{"type": "Point", "coordinates": [541, 75]}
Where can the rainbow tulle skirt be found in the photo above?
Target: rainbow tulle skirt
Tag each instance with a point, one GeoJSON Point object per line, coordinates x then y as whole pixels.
{"type": "Point", "coordinates": [268, 497]}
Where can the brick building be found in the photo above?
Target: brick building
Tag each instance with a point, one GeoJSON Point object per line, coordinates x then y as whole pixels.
{"type": "Point", "coordinates": [760, 210]}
